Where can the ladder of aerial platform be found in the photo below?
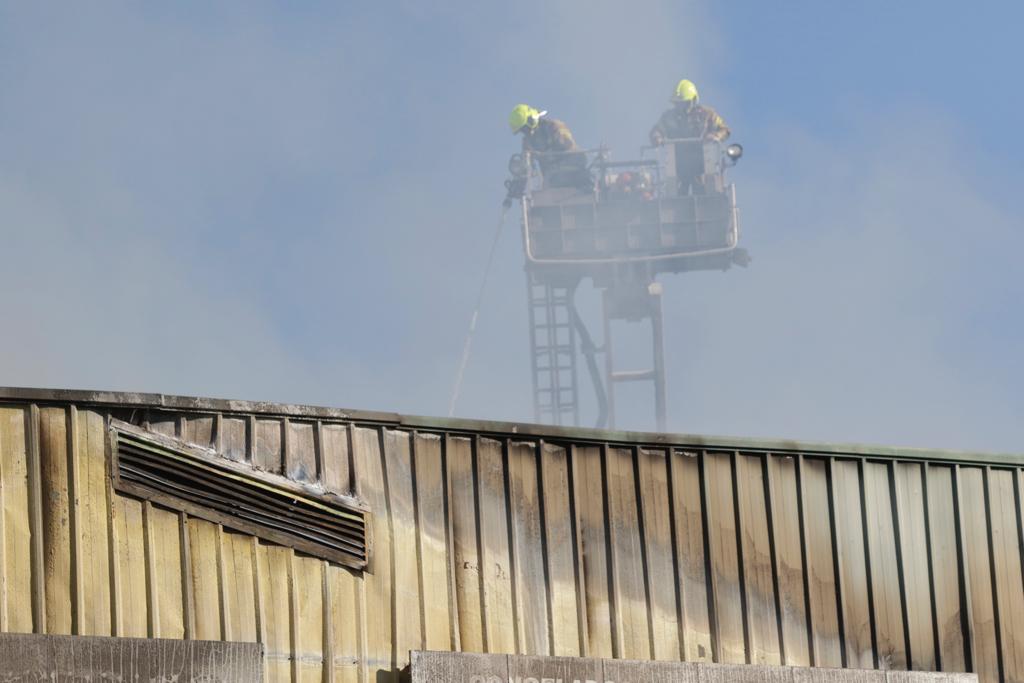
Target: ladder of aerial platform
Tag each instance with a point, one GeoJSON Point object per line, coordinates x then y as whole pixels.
{"type": "Point", "coordinates": [554, 344]}
{"type": "Point", "coordinates": [553, 353]}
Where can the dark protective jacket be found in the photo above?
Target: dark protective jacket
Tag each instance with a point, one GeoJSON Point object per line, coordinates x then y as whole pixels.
{"type": "Point", "coordinates": [568, 170]}
{"type": "Point", "coordinates": [697, 122]}
{"type": "Point", "coordinates": [550, 135]}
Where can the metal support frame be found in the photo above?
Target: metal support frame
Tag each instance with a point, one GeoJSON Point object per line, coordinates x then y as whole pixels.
{"type": "Point", "coordinates": [554, 340]}
{"type": "Point", "coordinates": [635, 303]}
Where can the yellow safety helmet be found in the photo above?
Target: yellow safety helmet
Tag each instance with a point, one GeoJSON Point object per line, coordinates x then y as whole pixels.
{"type": "Point", "coordinates": [685, 91]}
{"type": "Point", "coordinates": [523, 115]}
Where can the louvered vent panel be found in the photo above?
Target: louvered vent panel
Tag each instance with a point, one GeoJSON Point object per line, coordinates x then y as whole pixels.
{"type": "Point", "coordinates": [184, 477]}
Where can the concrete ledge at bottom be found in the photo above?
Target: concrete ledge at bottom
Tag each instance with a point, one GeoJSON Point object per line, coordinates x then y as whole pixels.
{"type": "Point", "coordinates": [457, 667]}
{"type": "Point", "coordinates": [32, 657]}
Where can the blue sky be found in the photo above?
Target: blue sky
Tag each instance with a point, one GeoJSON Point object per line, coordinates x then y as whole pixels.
{"type": "Point", "coordinates": [267, 201]}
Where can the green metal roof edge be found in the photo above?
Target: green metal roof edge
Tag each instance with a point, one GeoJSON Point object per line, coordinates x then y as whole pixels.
{"type": "Point", "coordinates": [526, 430]}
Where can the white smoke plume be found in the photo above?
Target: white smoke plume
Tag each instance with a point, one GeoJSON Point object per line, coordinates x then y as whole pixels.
{"type": "Point", "coordinates": [293, 205]}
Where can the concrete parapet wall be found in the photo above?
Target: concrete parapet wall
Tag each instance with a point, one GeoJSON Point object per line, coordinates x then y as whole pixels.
{"type": "Point", "coordinates": [60, 659]}
{"type": "Point", "coordinates": [453, 667]}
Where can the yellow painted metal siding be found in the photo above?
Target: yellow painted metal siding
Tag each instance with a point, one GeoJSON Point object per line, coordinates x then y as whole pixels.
{"type": "Point", "coordinates": [491, 541]}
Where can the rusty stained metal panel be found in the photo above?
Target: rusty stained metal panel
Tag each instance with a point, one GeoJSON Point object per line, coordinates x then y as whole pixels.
{"type": "Point", "coordinates": [134, 403]}
{"type": "Point", "coordinates": [498, 538]}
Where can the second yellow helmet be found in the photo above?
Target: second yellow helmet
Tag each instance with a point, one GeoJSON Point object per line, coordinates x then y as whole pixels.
{"type": "Point", "coordinates": [523, 115]}
{"type": "Point", "coordinates": [686, 91]}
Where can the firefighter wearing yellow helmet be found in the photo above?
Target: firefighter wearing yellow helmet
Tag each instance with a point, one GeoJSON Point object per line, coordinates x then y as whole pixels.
{"type": "Point", "coordinates": [688, 118]}
{"type": "Point", "coordinates": [551, 143]}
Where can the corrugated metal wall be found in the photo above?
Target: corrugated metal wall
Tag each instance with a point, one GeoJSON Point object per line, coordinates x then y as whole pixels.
{"type": "Point", "coordinates": [493, 541]}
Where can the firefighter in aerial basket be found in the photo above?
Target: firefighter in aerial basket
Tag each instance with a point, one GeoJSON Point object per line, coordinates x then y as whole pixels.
{"type": "Point", "coordinates": [689, 125]}
{"type": "Point", "coordinates": [688, 118]}
{"type": "Point", "coordinates": [550, 142]}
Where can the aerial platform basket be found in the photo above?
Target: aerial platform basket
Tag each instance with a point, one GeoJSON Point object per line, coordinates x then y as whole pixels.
{"type": "Point", "coordinates": [654, 212]}
{"type": "Point", "coordinates": [574, 229]}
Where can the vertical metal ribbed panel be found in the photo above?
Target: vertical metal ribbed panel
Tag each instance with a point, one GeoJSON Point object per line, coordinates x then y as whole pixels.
{"type": "Point", "coordinates": [489, 540]}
